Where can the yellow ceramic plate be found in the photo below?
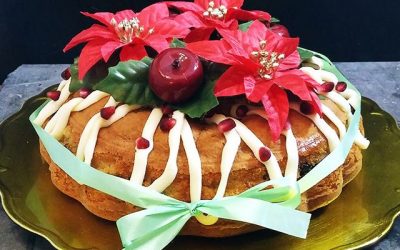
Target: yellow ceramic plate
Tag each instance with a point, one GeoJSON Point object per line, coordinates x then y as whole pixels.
{"type": "Point", "coordinates": [360, 216]}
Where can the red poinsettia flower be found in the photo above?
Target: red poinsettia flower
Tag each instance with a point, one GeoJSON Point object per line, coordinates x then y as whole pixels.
{"type": "Point", "coordinates": [264, 65]}
{"type": "Point", "coordinates": [127, 30]}
{"type": "Point", "coordinates": [206, 15]}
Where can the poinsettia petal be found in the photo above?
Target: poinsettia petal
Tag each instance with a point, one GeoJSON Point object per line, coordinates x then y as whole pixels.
{"type": "Point", "coordinates": [276, 106]}
{"type": "Point", "coordinates": [157, 42]}
{"type": "Point", "coordinates": [231, 36]}
{"type": "Point", "coordinates": [316, 102]}
{"type": "Point", "coordinates": [290, 62]}
{"type": "Point", "coordinates": [187, 6]}
{"type": "Point", "coordinates": [245, 15]}
{"type": "Point", "coordinates": [231, 82]}
{"type": "Point", "coordinates": [102, 17]}
{"type": "Point", "coordinates": [199, 34]}
{"type": "Point", "coordinates": [152, 14]}
{"type": "Point", "coordinates": [132, 52]}
{"type": "Point", "coordinates": [256, 33]}
{"type": "Point", "coordinates": [287, 46]}
{"type": "Point", "coordinates": [94, 32]}
{"type": "Point", "coordinates": [232, 3]}
{"type": "Point", "coordinates": [295, 84]}
{"type": "Point", "coordinates": [190, 20]}
{"type": "Point", "coordinates": [259, 89]}
{"type": "Point", "coordinates": [124, 14]}
{"type": "Point", "coordinates": [204, 3]}
{"type": "Point", "coordinates": [170, 29]}
{"type": "Point", "coordinates": [109, 48]}
{"type": "Point", "coordinates": [311, 83]}
{"type": "Point", "coordinates": [89, 56]}
{"type": "Point", "coordinates": [215, 51]}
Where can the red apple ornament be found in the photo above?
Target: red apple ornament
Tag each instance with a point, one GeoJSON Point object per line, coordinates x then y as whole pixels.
{"type": "Point", "coordinates": [175, 75]}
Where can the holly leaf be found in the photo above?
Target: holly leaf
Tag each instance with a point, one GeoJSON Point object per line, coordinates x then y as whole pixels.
{"type": "Point", "coordinates": [245, 26]}
{"type": "Point", "coordinates": [127, 82]}
{"type": "Point", "coordinates": [176, 43]}
{"type": "Point", "coordinates": [200, 103]}
{"type": "Point", "coordinates": [305, 54]}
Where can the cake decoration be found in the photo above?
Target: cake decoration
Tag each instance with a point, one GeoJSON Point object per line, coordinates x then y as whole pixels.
{"type": "Point", "coordinates": [155, 82]}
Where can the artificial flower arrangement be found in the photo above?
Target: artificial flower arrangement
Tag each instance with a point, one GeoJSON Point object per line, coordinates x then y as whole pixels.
{"type": "Point", "coordinates": [186, 59]}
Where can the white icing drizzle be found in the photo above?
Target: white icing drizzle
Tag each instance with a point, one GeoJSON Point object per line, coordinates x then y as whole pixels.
{"type": "Point", "coordinates": [228, 155]}
{"type": "Point", "coordinates": [141, 155]}
{"type": "Point", "coordinates": [194, 161]}
{"type": "Point", "coordinates": [59, 121]}
{"type": "Point", "coordinates": [343, 99]}
{"type": "Point", "coordinates": [292, 151]}
{"type": "Point", "coordinates": [171, 169]}
{"type": "Point", "coordinates": [255, 144]}
{"type": "Point", "coordinates": [52, 106]}
{"type": "Point", "coordinates": [335, 120]}
{"type": "Point", "coordinates": [326, 130]}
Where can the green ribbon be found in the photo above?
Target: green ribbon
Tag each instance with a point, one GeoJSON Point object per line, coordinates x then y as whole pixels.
{"type": "Point", "coordinates": [163, 217]}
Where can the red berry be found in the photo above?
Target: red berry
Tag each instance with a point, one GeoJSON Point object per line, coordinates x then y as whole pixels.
{"type": "Point", "coordinates": [107, 112]}
{"type": "Point", "coordinates": [175, 75]}
{"type": "Point", "coordinates": [226, 125]}
{"type": "Point", "coordinates": [167, 123]}
{"type": "Point", "coordinates": [166, 110]}
{"type": "Point", "coordinates": [327, 87]}
{"type": "Point", "coordinates": [281, 30]}
{"type": "Point", "coordinates": [341, 86]}
{"type": "Point", "coordinates": [84, 92]}
{"type": "Point", "coordinates": [142, 143]}
{"type": "Point", "coordinates": [264, 153]}
{"type": "Point", "coordinates": [307, 108]}
{"type": "Point", "coordinates": [241, 111]}
{"type": "Point", "coordinates": [66, 74]}
{"type": "Point", "coordinates": [54, 95]}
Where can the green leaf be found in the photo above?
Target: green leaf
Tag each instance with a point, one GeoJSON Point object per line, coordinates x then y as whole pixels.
{"type": "Point", "coordinates": [305, 54]}
{"type": "Point", "coordinates": [127, 82]}
{"type": "Point", "coordinates": [95, 75]}
{"type": "Point", "coordinates": [275, 20]}
{"type": "Point", "coordinates": [200, 103]}
{"type": "Point", "coordinates": [245, 26]}
{"type": "Point", "coordinates": [176, 43]}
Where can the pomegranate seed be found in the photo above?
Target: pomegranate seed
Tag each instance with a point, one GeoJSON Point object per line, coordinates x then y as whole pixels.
{"type": "Point", "coordinates": [241, 111]}
{"type": "Point", "coordinates": [54, 95]}
{"type": "Point", "coordinates": [307, 108]}
{"type": "Point", "coordinates": [66, 74]}
{"type": "Point", "coordinates": [107, 112]}
{"type": "Point", "coordinates": [327, 87]}
{"type": "Point", "coordinates": [264, 154]}
{"type": "Point", "coordinates": [166, 110]}
{"type": "Point", "coordinates": [226, 125]}
{"type": "Point", "coordinates": [341, 86]}
{"type": "Point", "coordinates": [167, 123]}
{"type": "Point", "coordinates": [142, 143]}
{"type": "Point", "coordinates": [84, 92]}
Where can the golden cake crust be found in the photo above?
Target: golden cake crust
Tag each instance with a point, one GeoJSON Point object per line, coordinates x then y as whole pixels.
{"type": "Point", "coordinates": [114, 154]}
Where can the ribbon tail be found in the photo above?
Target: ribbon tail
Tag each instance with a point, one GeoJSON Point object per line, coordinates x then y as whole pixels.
{"type": "Point", "coordinates": [152, 228]}
{"type": "Point", "coordinates": [269, 215]}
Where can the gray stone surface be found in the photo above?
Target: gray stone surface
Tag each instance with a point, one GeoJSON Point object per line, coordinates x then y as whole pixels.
{"type": "Point", "coordinates": [379, 81]}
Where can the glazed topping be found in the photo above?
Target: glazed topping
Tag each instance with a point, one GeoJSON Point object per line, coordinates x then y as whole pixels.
{"type": "Point", "coordinates": [54, 95]}
{"type": "Point", "coordinates": [142, 143]}
{"type": "Point", "coordinates": [107, 112]}
{"type": "Point", "coordinates": [264, 153]}
{"type": "Point", "coordinates": [167, 123]}
{"type": "Point", "coordinates": [226, 125]}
